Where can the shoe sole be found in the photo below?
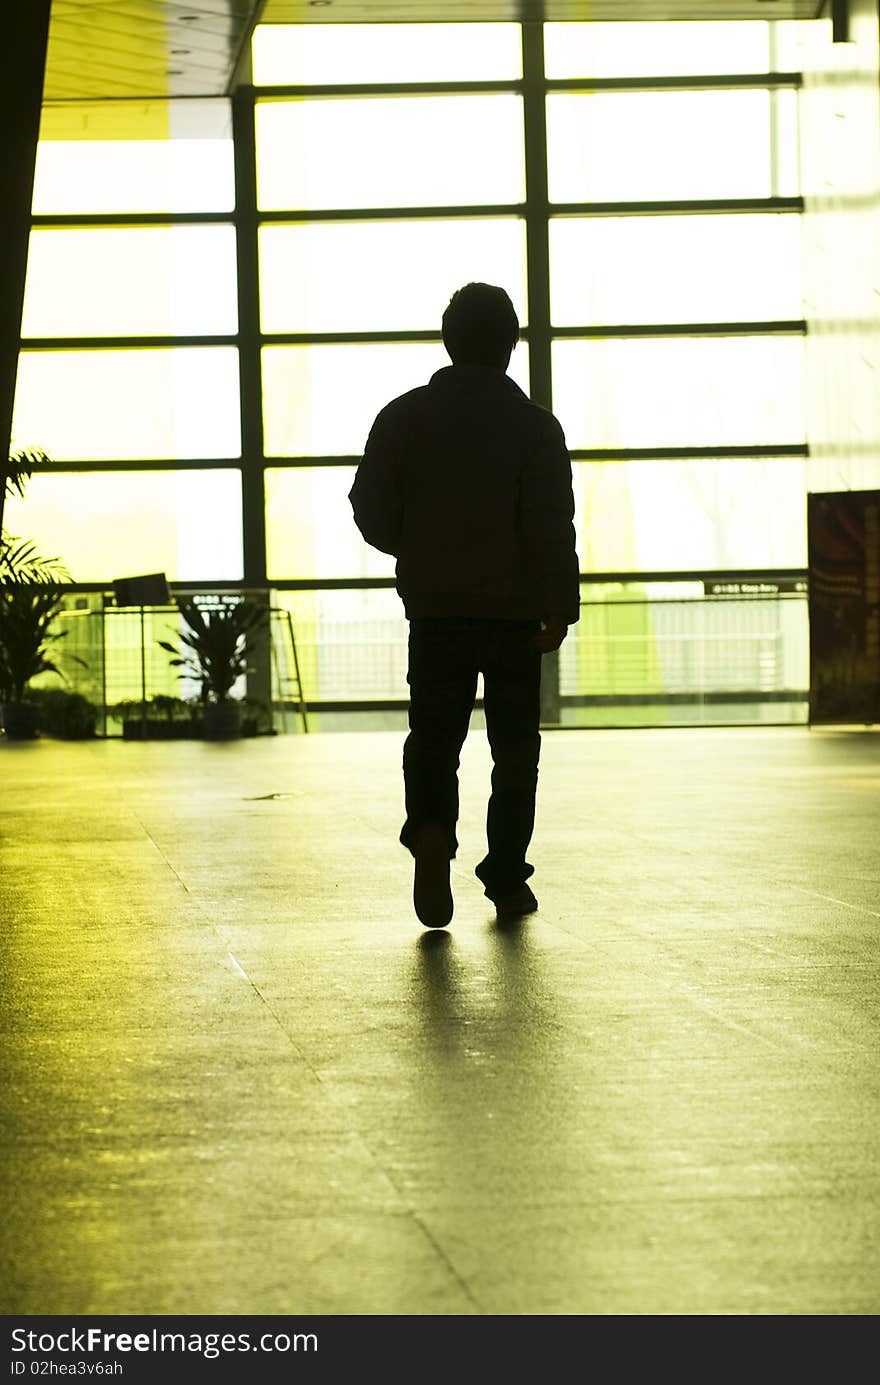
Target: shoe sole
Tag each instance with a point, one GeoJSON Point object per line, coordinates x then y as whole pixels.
{"type": "Point", "coordinates": [432, 896]}
{"type": "Point", "coordinates": [515, 911]}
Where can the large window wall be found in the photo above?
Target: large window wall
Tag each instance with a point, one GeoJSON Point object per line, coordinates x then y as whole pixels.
{"type": "Point", "coordinates": [221, 295]}
{"type": "Point", "coordinates": [129, 371]}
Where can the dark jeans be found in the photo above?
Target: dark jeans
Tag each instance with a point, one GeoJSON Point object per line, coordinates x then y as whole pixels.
{"type": "Point", "coordinates": [445, 656]}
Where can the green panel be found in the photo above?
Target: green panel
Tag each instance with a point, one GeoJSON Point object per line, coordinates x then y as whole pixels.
{"type": "Point", "coordinates": [323, 54]}
{"type": "Point", "coordinates": [186, 524]}
{"type": "Point", "coordinates": [131, 281]}
{"type": "Point", "coordinates": [322, 400]}
{"type": "Point", "coordinates": [680, 392]}
{"type": "Point", "coordinates": [105, 405]}
{"type": "Point", "coordinates": [403, 151]}
{"type": "Point", "coordinates": [666, 145]}
{"type": "Point", "coordinates": [381, 276]}
{"type": "Point", "coordinates": [632, 269]}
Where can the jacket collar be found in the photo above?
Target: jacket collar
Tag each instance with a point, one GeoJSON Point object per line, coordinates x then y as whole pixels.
{"type": "Point", "coordinates": [476, 376]}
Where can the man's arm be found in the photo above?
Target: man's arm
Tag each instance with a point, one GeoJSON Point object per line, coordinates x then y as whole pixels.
{"type": "Point", "coordinates": [376, 496]}
{"type": "Point", "coordinates": [547, 519]}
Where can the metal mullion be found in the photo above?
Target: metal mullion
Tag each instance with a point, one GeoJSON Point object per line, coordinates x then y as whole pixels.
{"type": "Point", "coordinates": [387, 583]}
{"type": "Point", "coordinates": [124, 343]}
{"type": "Point", "coordinates": [345, 338]}
{"type": "Point", "coordinates": [782, 327]}
{"type": "Point", "coordinates": [538, 275]}
{"type": "Point", "coordinates": [659, 454]}
{"type": "Point", "coordinates": [684, 207]}
{"type": "Point", "coordinates": [537, 213]}
{"type": "Point", "coordinates": [587, 578]}
{"type": "Point", "coordinates": [733, 82]}
{"type": "Point", "coordinates": [795, 574]}
{"type": "Point", "coordinates": [293, 462]}
{"type": "Point", "coordinates": [71, 219]}
{"type": "Point", "coordinates": [295, 215]}
{"type": "Point", "coordinates": [308, 584]}
{"type": "Point", "coordinates": [250, 365]}
{"type": "Point", "coordinates": [516, 86]}
{"type": "Point", "coordinates": [512, 86]}
{"type": "Point", "coordinates": [583, 332]}
{"type": "Point", "coordinates": [146, 464]}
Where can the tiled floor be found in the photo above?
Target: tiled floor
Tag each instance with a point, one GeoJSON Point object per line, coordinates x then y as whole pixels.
{"type": "Point", "coordinates": [239, 1078]}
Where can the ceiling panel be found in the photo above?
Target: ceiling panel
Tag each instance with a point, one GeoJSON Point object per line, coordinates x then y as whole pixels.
{"type": "Point", "coordinates": [426, 11]}
{"type": "Point", "coordinates": [101, 49]}
{"type": "Point", "coordinates": [133, 48]}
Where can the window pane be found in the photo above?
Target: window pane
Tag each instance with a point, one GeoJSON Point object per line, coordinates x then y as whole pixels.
{"type": "Point", "coordinates": [112, 405]}
{"type": "Point", "coordinates": [632, 269]}
{"type": "Point", "coordinates": [322, 400]}
{"type": "Point", "coordinates": [662, 146]}
{"type": "Point", "coordinates": [122, 156]}
{"type": "Point", "coordinates": [668, 516]}
{"type": "Point", "coordinates": [130, 281]}
{"type": "Point", "coordinates": [323, 54]}
{"type": "Point", "coordinates": [671, 48]}
{"type": "Point", "coordinates": [382, 276]}
{"type": "Point", "coordinates": [787, 154]}
{"type": "Point", "coordinates": [405, 151]}
{"type": "Point", "coordinates": [310, 530]}
{"type": "Point", "coordinates": [792, 39]}
{"type": "Point", "coordinates": [655, 655]}
{"type": "Point", "coordinates": [351, 645]}
{"type": "Point", "coordinates": [680, 391]}
{"type": "Point", "coordinates": [117, 524]}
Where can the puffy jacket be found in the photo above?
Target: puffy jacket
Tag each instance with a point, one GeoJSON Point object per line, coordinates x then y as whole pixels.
{"type": "Point", "coordinates": [468, 484]}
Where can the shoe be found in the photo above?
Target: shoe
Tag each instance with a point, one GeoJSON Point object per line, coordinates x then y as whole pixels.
{"type": "Point", "coordinates": [516, 904]}
{"type": "Point", "coordinates": [432, 896]}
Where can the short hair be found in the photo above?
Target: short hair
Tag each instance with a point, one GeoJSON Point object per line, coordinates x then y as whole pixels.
{"type": "Point", "coordinates": [480, 326]}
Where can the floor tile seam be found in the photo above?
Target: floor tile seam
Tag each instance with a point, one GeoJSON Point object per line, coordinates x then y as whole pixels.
{"type": "Point", "coordinates": [676, 987]}
{"type": "Point", "coordinates": [328, 1088]}
{"type": "Point", "coordinates": [443, 1254]}
{"type": "Point", "coordinates": [266, 1002]}
{"type": "Point", "coordinates": [752, 1032]}
{"type": "Point", "coordinates": [599, 1200]}
{"type": "Point", "coordinates": [832, 899]}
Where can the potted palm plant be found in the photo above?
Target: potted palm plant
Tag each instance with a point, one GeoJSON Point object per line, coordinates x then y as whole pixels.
{"type": "Point", "coordinates": [215, 649]}
{"type": "Point", "coordinates": [19, 559]}
{"type": "Point", "coordinates": [27, 614]}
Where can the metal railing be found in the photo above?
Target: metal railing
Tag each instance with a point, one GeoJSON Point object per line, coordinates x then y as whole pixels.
{"type": "Point", "coordinates": [630, 652]}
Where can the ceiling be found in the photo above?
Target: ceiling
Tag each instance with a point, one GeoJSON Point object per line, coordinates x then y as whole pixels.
{"type": "Point", "coordinates": [104, 49]}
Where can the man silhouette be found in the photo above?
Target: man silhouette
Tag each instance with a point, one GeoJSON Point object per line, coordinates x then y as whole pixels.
{"type": "Point", "coordinates": [468, 484]}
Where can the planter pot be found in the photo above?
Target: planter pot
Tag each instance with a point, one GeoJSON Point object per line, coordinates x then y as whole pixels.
{"type": "Point", "coordinates": [222, 721]}
{"type": "Point", "coordinates": [162, 730]}
{"type": "Point", "coordinates": [20, 720]}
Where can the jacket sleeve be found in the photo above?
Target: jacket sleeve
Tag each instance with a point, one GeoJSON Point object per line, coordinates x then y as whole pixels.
{"type": "Point", "coordinates": [376, 496]}
{"type": "Point", "coordinates": [547, 523]}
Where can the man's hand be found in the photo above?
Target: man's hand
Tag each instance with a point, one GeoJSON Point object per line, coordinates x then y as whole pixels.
{"type": "Point", "coordinates": [553, 631]}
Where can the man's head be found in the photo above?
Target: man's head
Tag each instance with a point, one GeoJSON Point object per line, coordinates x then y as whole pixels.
{"type": "Point", "coordinates": [480, 326]}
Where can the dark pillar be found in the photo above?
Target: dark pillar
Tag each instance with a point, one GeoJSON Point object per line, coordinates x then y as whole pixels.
{"type": "Point", "coordinates": [253, 504]}
{"type": "Point", "coordinates": [538, 262]}
{"type": "Point", "coordinates": [25, 33]}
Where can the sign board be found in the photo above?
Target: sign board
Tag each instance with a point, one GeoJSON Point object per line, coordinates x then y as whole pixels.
{"type": "Point", "coordinates": [150, 589]}
{"type": "Point", "coordinates": [770, 586]}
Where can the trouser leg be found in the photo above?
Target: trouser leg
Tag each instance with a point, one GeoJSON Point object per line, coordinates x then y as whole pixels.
{"type": "Point", "coordinates": [511, 678]}
{"type": "Point", "coordinates": [442, 679]}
